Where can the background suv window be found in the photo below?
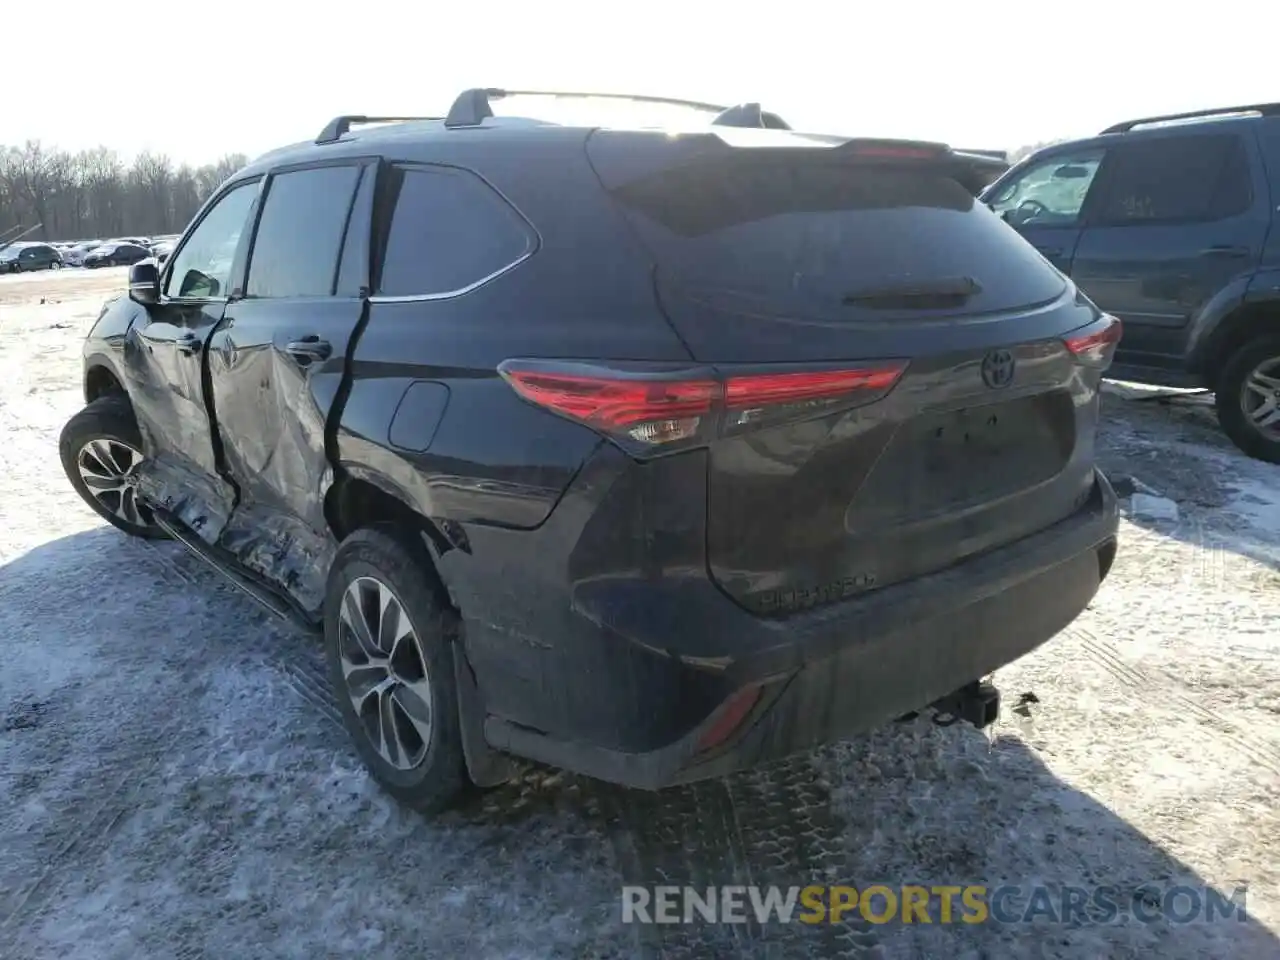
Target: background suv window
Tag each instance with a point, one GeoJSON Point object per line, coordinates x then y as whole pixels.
{"type": "Point", "coordinates": [295, 252]}
{"type": "Point", "coordinates": [202, 268]}
{"type": "Point", "coordinates": [1050, 193]}
{"type": "Point", "coordinates": [1177, 179]}
{"type": "Point", "coordinates": [448, 231]}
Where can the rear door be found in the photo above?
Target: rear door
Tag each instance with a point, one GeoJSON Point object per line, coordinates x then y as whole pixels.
{"type": "Point", "coordinates": [1046, 202]}
{"type": "Point", "coordinates": [277, 358]}
{"type": "Point", "coordinates": [1176, 222]}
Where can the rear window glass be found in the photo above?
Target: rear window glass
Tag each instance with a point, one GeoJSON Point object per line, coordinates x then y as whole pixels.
{"type": "Point", "coordinates": [812, 235]}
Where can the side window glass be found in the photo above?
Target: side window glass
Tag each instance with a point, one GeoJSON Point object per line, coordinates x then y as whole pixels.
{"type": "Point", "coordinates": [1234, 191]}
{"type": "Point", "coordinates": [295, 251]}
{"type": "Point", "coordinates": [1177, 180]}
{"type": "Point", "coordinates": [353, 271]}
{"type": "Point", "coordinates": [448, 230]}
{"type": "Point", "coordinates": [1051, 193]}
{"type": "Point", "coordinates": [202, 268]}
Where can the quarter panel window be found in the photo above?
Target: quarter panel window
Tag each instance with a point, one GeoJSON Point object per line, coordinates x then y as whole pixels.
{"type": "Point", "coordinates": [448, 230]}
{"type": "Point", "coordinates": [295, 251]}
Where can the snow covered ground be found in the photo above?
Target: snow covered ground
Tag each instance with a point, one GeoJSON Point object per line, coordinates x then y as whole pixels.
{"type": "Point", "coordinates": [174, 783]}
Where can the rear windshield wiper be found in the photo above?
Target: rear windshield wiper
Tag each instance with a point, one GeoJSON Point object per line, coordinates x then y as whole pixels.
{"type": "Point", "coordinates": [936, 294]}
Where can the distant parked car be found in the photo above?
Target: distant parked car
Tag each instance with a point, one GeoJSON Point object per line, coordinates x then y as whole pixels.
{"type": "Point", "coordinates": [24, 257]}
{"type": "Point", "coordinates": [116, 255]}
{"type": "Point", "coordinates": [74, 257]}
{"type": "Point", "coordinates": [161, 250]}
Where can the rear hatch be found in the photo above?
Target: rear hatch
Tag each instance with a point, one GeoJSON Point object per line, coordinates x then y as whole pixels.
{"type": "Point", "coordinates": [899, 385]}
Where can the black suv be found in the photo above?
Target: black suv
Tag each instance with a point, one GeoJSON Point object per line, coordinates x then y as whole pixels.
{"type": "Point", "coordinates": [1170, 224]}
{"type": "Point", "coordinates": [20, 257]}
{"type": "Point", "coordinates": [646, 454]}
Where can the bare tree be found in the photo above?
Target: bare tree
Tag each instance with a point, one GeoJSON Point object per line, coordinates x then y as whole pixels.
{"type": "Point", "coordinates": [95, 194]}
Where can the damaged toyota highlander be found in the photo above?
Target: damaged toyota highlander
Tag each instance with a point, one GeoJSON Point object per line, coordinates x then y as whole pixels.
{"type": "Point", "coordinates": [650, 455]}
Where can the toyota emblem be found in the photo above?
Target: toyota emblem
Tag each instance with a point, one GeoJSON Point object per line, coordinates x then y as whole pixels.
{"type": "Point", "coordinates": [997, 369]}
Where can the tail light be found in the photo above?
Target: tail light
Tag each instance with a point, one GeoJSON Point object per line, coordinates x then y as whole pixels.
{"type": "Point", "coordinates": [647, 409]}
{"type": "Point", "coordinates": [1095, 344]}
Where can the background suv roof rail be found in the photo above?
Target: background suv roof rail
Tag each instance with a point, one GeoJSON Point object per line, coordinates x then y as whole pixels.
{"type": "Point", "coordinates": [336, 127]}
{"type": "Point", "coordinates": [1259, 109]}
{"type": "Point", "coordinates": [472, 106]}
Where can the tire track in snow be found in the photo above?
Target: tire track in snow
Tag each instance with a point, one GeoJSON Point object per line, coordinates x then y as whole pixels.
{"type": "Point", "coordinates": [296, 656]}
{"type": "Point", "coordinates": [89, 812]}
{"type": "Point", "coordinates": [1144, 681]}
{"type": "Point", "coordinates": [773, 825]}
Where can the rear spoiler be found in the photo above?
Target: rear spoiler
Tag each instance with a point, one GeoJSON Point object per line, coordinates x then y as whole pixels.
{"type": "Point", "coordinates": [636, 160]}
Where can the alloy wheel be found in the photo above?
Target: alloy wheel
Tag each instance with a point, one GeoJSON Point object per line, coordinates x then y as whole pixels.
{"type": "Point", "coordinates": [385, 672]}
{"type": "Point", "coordinates": [1260, 398]}
{"type": "Point", "coordinates": [106, 466]}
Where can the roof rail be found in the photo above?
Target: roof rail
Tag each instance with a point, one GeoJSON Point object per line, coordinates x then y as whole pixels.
{"type": "Point", "coordinates": [338, 126]}
{"type": "Point", "coordinates": [472, 106]}
{"type": "Point", "coordinates": [1260, 109]}
{"type": "Point", "coordinates": [749, 115]}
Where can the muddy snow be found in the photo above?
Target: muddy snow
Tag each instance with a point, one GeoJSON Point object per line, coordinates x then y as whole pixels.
{"type": "Point", "coordinates": [174, 782]}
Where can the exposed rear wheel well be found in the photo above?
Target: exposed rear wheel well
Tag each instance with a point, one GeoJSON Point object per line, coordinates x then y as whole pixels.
{"type": "Point", "coordinates": [353, 504]}
{"type": "Point", "coordinates": [1247, 323]}
{"type": "Point", "coordinates": [99, 381]}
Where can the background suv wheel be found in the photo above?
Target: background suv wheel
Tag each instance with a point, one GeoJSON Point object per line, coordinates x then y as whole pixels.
{"type": "Point", "coordinates": [1248, 398]}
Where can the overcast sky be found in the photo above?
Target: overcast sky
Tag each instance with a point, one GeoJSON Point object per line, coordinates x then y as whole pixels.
{"type": "Point", "coordinates": [234, 75]}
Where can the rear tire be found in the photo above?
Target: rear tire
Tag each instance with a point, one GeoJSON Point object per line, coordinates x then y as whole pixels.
{"type": "Point", "coordinates": [389, 644]}
{"type": "Point", "coordinates": [1248, 389]}
{"type": "Point", "coordinates": [101, 450]}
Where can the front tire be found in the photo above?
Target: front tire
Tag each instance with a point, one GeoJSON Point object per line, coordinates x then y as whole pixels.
{"type": "Point", "coordinates": [389, 644]}
{"type": "Point", "coordinates": [1248, 398]}
{"type": "Point", "coordinates": [101, 450]}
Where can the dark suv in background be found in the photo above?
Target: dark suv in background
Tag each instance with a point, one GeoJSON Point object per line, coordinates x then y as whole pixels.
{"type": "Point", "coordinates": [1170, 223]}
{"type": "Point", "coordinates": [27, 256]}
{"type": "Point", "coordinates": [649, 455]}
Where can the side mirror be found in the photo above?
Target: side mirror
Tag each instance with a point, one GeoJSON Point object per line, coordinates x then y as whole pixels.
{"type": "Point", "coordinates": [144, 282]}
{"type": "Point", "coordinates": [1071, 172]}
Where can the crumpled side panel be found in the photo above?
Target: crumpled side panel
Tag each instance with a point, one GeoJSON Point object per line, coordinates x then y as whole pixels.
{"type": "Point", "coordinates": [203, 502]}
{"type": "Point", "coordinates": [282, 549]}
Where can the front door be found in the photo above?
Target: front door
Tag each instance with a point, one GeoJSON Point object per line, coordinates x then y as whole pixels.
{"type": "Point", "coordinates": [1046, 202]}
{"type": "Point", "coordinates": [276, 363]}
{"type": "Point", "coordinates": [1176, 223]}
{"type": "Point", "coordinates": [164, 354]}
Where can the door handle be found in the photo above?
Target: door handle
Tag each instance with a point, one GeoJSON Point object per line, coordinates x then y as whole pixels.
{"type": "Point", "coordinates": [188, 343]}
{"type": "Point", "coordinates": [1050, 252]}
{"type": "Point", "coordinates": [1223, 250]}
{"type": "Point", "coordinates": [308, 348]}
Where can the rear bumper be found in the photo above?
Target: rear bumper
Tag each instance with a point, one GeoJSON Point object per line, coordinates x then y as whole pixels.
{"type": "Point", "coordinates": [849, 667]}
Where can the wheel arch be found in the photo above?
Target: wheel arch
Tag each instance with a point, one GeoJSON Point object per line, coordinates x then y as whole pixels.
{"type": "Point", "coordinates": [101, 379]}
{"type": "Point", "coordinates": [1245, 323]}
{"type": "Point", "coordinates": [362, 497]}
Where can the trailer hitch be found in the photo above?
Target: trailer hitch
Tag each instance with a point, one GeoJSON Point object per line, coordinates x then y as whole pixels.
{"type": "Point", "coordinates": [977, 702]}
